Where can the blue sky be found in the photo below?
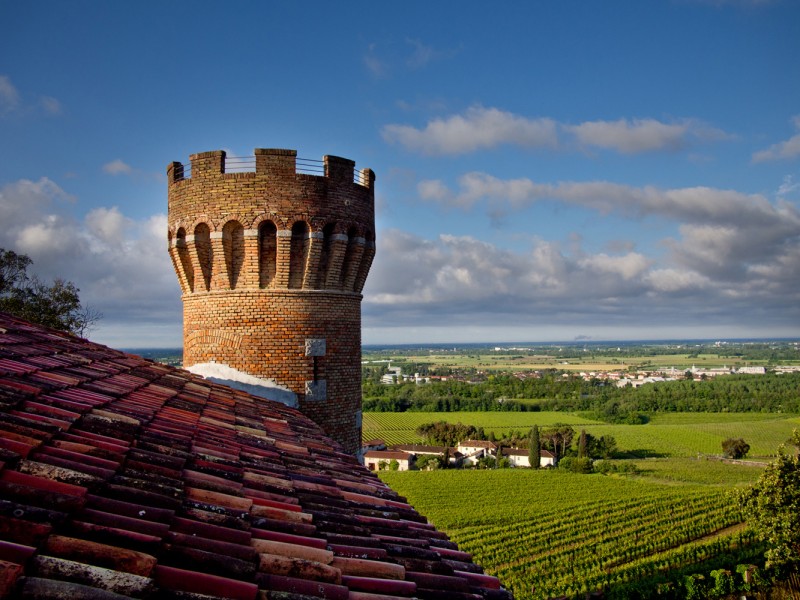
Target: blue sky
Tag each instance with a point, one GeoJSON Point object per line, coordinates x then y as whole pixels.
{"type": "Point", "coordinates": [545, 170]}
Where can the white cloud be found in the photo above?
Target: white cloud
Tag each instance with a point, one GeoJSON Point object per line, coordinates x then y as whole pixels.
{"type": "Point", "coordinates": [117, 167]}
{"type": "Point", "coordinates": [108, 224]}
{"type": "Point", "coordinates": [9, 96]}
{"type": "Point", "coordinates": [787, 150]}
{"type": "Point", "coordinates": [788, 186]}
{"type": "Point", "coordinates": [458, 282]}
{"type": "Point", "coordinates": [120, 265]}
{"type": "Point", "coordinates": [692, 204]}
{"type": "Point", "coordinates": [635, 136]}
{"type": "Point", "coordinates": [12, 102]}
{"type": "Point", "coordinates": [481, 128]}
{"type": "Point", "coordinates": [477, 128]}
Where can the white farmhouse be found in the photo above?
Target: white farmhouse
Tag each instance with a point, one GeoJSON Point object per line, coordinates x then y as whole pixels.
{"type": "Point", "coordinates": [474, 450]}
{"type": "Point", "coordinates": [518, 457]}
{"type": "Point", "coordinates": [374, 458]}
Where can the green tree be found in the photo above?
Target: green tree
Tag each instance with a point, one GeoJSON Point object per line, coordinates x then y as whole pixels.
{"type": "Point", "coordinates": [56, 305]}
{"type": "Point", "coordinates": [772, 507]}
{"type": "Point", "coordinates": [428, 462]}
{"type": "Point", "coordinates": [535, 448]}
{"type": "Point", "coordinates": [582, 444]}
{"type": "Point", "coordinates": [735, 448]}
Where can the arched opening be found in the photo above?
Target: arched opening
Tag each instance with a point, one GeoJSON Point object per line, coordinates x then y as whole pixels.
{"type": "Point", "coordinates": [184, 258]}
{"type": "Point", "coordinates": [347, 265]}
{"type": "Point", "coordinates": [366, 262]}
{"type": "Point", "coordinates": [326, 254]}
{"type": "Point", "coordinates": [233, 247]}
{"type": "Point", "coordinates": [267, 252]}
{"type": "Point", "coordinates": [298, 257]}
{"type": "Point", "coordinates": [205, 255]}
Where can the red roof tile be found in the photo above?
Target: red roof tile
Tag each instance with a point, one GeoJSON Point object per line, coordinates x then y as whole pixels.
{"type": "Point", "coordinates": [121, 477]}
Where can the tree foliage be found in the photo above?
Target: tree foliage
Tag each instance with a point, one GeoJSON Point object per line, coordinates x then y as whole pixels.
{"type": "Point", "coordinates": [447, 434]}
{"type": "Point", "coordinates": [55, 305]}
{"type": "Point", "coordinates": [558, 439]}
{"type": "Point", "coordinates": [735, 448]}
{"type": "Point", "coordinates": [535, 448]}
{"type": "Point", "coordinates": [555, 392]}
{"type": "Point", "coordinates": [772, 506]}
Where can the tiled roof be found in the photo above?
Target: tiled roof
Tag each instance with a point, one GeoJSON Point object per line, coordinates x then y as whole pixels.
{"type": "Point", "coordinates": [477, 444]}
{"type": "Point", "coordinates": [387, 454]}
{"type": "Point", "coordinates": [121, 477]}
{"type": "Point", "coordinates": [420, 449]}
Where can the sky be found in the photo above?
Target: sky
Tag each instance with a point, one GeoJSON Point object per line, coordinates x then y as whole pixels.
{"type": "Point", "coordinates": [545, 171]}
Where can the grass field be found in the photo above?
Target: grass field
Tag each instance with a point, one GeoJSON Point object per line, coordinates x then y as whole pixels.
{"type": "Point", "coordinates": [590, 362]}
{"type": "Point", "coordinates": [550, 533]}
{"type": "Point", "coordinates": [669, 434]}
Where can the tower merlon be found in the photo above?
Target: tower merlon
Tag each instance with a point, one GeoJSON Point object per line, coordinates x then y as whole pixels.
{"type": "Point", "coordinates": [269, 162]}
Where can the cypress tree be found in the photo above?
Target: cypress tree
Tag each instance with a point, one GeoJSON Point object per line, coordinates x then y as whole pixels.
{"type": "Point", "coordinates": [582, 444]}
{"type": "Point", "coordinates": [535, 450]}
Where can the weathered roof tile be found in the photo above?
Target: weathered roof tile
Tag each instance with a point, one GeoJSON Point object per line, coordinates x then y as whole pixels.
{"type": "Point", "coordinates": [120, 477]}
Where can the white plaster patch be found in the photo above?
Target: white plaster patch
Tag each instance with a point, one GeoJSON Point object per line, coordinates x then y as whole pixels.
{"type": "Point", "coordinates": [239, 380]}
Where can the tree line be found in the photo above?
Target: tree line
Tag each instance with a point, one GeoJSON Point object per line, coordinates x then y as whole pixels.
{"type": "Point", "coordinates": [558, 439]}
{"type": "Point", "coordinates": [555, 392]}
{"type": "Point", "coordinates": [55, 305]}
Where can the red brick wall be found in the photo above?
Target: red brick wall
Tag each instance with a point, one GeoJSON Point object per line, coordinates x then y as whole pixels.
{"type": "Point", "coordinates": [254, 293]}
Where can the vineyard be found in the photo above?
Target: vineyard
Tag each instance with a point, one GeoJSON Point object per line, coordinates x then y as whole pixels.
{"type": "Point", "coordinates": [551, 533]}
{"type": "Point", "coordinates": [675, 434]}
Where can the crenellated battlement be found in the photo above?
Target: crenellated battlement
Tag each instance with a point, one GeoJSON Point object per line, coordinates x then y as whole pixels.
{"type": "Point", "coordinates": [268, 162]}
{"type": "Point", "coordinates": [271, 228]}
{"type": "Point", "coordinates": [272, 253]}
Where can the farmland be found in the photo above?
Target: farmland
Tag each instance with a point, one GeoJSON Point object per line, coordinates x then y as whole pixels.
{"type": "Point", "coordinates": [589, 356]}
{"type": "Point", "coordinates": [668, 434]}
{"type": "Point", "coordinates": [549, 533]}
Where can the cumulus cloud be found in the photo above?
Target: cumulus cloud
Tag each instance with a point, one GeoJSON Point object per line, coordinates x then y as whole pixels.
{"type": "Point", "coordinates": [634, 136]}
{"type": "Point", "coordinates": [458, 281]}
{"type": "Point", "coordinates": [691, 204]}
{"type": "Point", "coordinates": [725, 235]}
{"type": "Point", "coordinates": [735, 259]}
{"type": "Point", "coordinates": [785, 150]}
{"type": "Point", "coordinates": [117, 167]}
{"type": "Point", "coordinates": [120, 264]}
{"type": "Point", "coordinates": [477, 128]}
{"type": "Point", "coordinates": [480, 128]}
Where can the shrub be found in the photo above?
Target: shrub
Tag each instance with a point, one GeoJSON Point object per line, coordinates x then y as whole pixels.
{"type": "Point", "coordinates": [576, 465]}
{"type": "Point", "coordinates": [735, 448]}
{"type": "Point", "coordinates": [697, 587]}
{"type": "Point", "coordinates": [723, 582]}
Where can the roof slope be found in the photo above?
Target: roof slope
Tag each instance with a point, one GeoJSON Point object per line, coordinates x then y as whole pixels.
{"type": "Point", "coordinates": [120, 477]}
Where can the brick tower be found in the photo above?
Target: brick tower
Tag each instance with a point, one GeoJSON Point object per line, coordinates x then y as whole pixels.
{"type": "Point", "coordinates": [271, 263]}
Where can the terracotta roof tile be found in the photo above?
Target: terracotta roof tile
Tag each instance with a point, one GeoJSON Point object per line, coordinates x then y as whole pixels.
{"type": "Point", "coordinates": [120, 477]}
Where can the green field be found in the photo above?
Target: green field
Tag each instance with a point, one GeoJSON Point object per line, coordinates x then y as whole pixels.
{"type": "Point", "coordinates": [550, 533]}
{"type": "Point", "coordinates": [668, 434]}
{"type": "Point", "coordinates": [509, 362]}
